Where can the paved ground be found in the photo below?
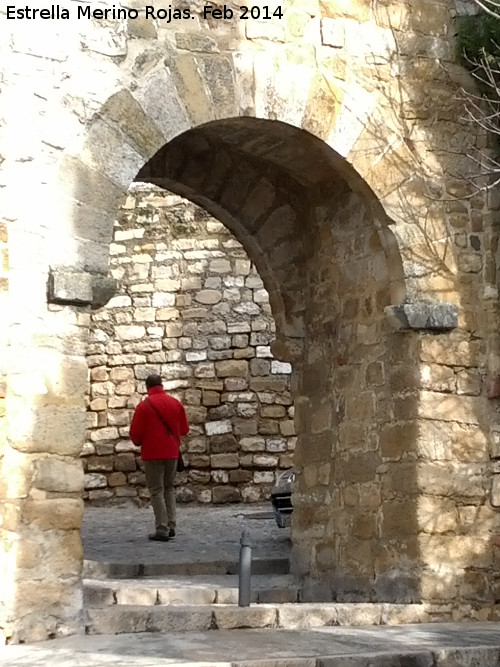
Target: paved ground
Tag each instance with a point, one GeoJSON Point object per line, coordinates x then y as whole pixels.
{"type": "Point", "coordinates": [207, 535]}
{"type": "Point", "coordinates": [204, 534]}
{"type": "Point", "coordinates": [449, 645]}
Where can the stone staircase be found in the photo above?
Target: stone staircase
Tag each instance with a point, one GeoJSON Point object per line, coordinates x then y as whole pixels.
{"type": "Point", "coordinates": [198, 597]}
{"type": "Point", "coordinates": [137, 594]}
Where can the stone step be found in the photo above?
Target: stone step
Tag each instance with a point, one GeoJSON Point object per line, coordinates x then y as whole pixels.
{"type": "Point", "coordinates": [188, 590]}
{"type": "Point", "coordinates": [117, 619]}
{"type": "Point", "coordinates": [94, 569]}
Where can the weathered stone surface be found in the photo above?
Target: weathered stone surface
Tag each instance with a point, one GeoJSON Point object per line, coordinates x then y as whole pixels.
{"type": "Point", "coordinates": [55, 514]}
{"type": "Point", "coordinates": [50, 428]}
{"type": "Point", "coordinates": [208, 297]}
{"type": "Point", "coordinates": [125, 462]}
{"type": "Point", "coordinates": [95, 481]}
{"type": "Point", "coordinates": [218, 427]}
{"type": "Point", "coordinates": [224, 460]}
{"type": "Point", "coordinates": [231, 368]}
{"type": "Point", "coordinates": [306, 616]}
{"type": "Point", "coordinates": [245, 617]}
{"type": "Point", "coordinates": [133, 332]}
{"type": "Point", "coordinates": [465, 409]}
{"type": "Point", "coordinates": [37, 598]}
{"type": "Point", "coordinates": [55, 475]}
{"type": "Point", "coordinates": [451, 351]}
{"type": "Point", "coordinates": [108, 433]}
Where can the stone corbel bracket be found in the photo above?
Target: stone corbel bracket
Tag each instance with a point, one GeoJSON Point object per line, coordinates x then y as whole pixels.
{"type": "Point", "coordinates": [423, 316]}
{"type": "Point", "coordinates": [79, 288]}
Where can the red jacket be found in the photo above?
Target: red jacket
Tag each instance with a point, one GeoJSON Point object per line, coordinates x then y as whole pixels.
{"type": "Point", "coordinates": [148, 431]}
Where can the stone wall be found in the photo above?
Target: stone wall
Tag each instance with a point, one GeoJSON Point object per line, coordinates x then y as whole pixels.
{"type": "Point", "coordinates": [192, 308]}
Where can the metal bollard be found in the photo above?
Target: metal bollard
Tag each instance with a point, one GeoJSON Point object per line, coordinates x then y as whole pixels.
{"type": "Point", "coordinates": [245, 571]}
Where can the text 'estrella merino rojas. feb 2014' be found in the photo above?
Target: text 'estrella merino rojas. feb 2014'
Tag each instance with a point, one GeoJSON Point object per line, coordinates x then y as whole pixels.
{"type": "Point", "coordinates": [166, 15]}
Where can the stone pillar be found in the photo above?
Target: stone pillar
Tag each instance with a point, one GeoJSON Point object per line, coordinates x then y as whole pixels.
{"type": "Point", "coordinates": [391, 502]}
{"type": "Point", "coordinates": [41, 482]}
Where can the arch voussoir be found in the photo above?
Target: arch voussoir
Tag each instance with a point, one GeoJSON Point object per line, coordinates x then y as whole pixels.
{"type": "Point", "coordinates": [323, 106]}
{"type": "Point", "coordinates": [156, 93]}
{"type": "Point", "coordinates": [107, 150]}
{"type": "Point", "coordinates": [124, 111]}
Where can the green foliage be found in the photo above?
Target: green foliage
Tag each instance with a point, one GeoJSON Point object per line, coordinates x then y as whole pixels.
{"type": "Point", "coordinates": [479, 40]}
{"type": "Point", "coordinates": [479, 52]}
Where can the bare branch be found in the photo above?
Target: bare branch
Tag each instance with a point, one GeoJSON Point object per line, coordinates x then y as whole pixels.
{"type": "Point", "coordinates": [490, 7]}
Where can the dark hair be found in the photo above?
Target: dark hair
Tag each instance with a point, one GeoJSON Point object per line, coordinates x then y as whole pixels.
{"type": "Point", "coordinates": [153, 380]}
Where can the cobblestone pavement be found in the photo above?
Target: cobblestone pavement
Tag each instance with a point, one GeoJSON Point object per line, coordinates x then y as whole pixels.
{"type": "Point", "coordinates": [204, 534]}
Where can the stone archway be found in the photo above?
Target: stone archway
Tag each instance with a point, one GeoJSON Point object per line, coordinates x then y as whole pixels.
{"type": "Point", "coordinates": [118, 98]}
{"type": "Point", "coordinates": [323, 247]}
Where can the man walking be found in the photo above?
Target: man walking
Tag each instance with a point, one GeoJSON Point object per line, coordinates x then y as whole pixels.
{"type": "Point", "coordinates": [157, 426]}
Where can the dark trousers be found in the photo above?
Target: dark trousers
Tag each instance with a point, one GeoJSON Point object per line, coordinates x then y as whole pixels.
{"type": "Point", "coordinates": [160, 475]}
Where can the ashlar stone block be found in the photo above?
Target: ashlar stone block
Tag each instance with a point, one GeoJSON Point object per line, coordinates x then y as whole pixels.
{"type": "Point", "coordinates": [224, 460]}
{"type": "Point", "coordinates": [133, 332]}
{"type": "Point", "coordinates": [57, 429]}
{"type": "Point", "coordinates": [218, 427]}
{"type": "Point", "coordinates": [56, 475]}
{"type": "Point", "coordinates": [54, 513]}
{"type": "Point", "coordinates": [68, 287]}
{"type": "Point", "coordinates": [495, 491]}
{"type": "Point", "coordinates": [231, 368]}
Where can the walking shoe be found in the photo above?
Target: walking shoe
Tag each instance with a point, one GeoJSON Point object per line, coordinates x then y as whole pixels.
{"type": "Point", "coordinates": [171, 532]}
{"type": "Point", "coordinates": [159, 537]}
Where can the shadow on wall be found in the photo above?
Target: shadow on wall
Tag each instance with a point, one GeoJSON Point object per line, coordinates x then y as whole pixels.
{"type": "Point", "coordinates": [355, 536]}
